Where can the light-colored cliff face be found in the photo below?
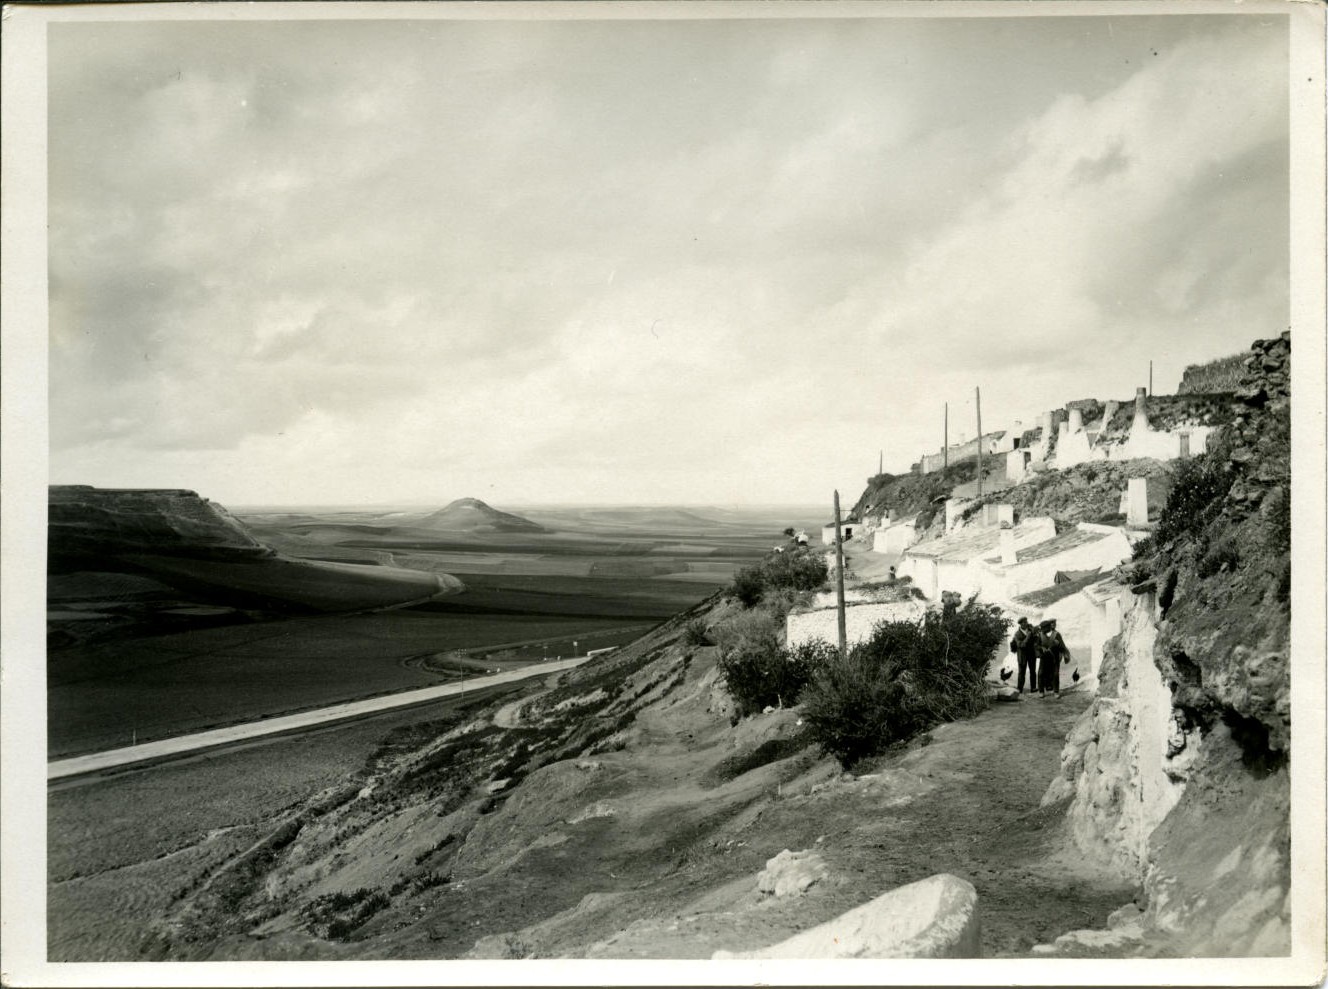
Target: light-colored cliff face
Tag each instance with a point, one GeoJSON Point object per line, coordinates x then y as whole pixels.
{"type": "Point", "coordinates": [1178, 771]}
{"type": "Point", "coordinates": [1127, 759]}
{"type": "Point", "coordinates": [88, 520]}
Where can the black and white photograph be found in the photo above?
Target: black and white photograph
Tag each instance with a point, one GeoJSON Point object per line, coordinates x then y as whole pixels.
{"type": "Point", "coordinates": [663, 493]}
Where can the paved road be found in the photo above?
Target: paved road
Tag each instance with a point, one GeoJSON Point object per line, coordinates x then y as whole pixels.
{"type": "Point", "coordinates": [181, 744]}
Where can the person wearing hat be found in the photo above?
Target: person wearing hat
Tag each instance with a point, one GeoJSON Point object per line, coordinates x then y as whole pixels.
{"type": "Point", "coordinates": [1025, 648]}
{"type": "Point", "coordinates": [1052, 651]}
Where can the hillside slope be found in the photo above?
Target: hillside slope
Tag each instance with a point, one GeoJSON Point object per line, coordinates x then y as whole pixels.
{"type": "Point", "coordinates": [626, 812]}
{"type": "Point", "coordinates": [473, 515]}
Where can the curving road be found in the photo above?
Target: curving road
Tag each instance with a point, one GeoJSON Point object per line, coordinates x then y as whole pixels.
{"type": "Point", "coordinates": [183, 744]}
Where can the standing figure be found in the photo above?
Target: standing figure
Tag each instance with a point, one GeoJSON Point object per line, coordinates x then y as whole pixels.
{"type": "Point", "coordinates": [1025, 648]}
{"type": "Point", "coordinates": [1052, 652]}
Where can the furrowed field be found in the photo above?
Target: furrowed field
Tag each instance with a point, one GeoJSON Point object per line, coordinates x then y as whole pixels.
{"type": "Point", "coordinates": [141, 667]}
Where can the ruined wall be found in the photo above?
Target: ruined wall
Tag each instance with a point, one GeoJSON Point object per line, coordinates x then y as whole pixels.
{"type": "Point", "coordinates": [961, 451]}
{"type": "Point", "coordinates": [1221, 375]}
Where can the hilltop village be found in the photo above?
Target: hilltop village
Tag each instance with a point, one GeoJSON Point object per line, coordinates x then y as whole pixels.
{"type": "Point", "coordinates": [732, 785]}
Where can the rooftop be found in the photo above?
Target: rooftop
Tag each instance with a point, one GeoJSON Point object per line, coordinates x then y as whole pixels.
{"type": "Point", "coordinates": [1045, 596]}
{"type": "Point", "coordinates": [1052, 547]}
{"type": "Point", "coordinates": [969, 547]}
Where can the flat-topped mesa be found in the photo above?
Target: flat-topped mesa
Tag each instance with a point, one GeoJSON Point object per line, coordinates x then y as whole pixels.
{"type": "Point", "coordinates": [88, 521]}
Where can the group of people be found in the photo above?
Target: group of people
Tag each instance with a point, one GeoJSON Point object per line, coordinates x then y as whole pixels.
{"type": "Point", "coordinates": [1040, 651]}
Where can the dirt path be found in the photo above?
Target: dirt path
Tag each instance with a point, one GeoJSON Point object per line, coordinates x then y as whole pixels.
{"type": "Point", "coordinates": [669, 869]}
{"type": "Point", "coordinates": [966, 803]}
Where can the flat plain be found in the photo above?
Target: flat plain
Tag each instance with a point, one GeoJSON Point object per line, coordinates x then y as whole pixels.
{"type": "Point", "coordinates": [596, 578]}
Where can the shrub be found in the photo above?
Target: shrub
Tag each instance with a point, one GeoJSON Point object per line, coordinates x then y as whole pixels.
{"type": "Point", "coordinates": [756, 625]}
{"type": "Point", "coordinates": [799, 570]}
{"type": "Point", "coordinates": [793, 569]}
{"type": "Point", "coordinates": [748, 583]}
{"type": "Point", "coordinates": [694, 633]}
{"type": "Point", "coordinates": [1198, 488]}
{"type": "Point", "coordinates": [758, 675]}
{"type": "Point", "coordinates": [902, 679]}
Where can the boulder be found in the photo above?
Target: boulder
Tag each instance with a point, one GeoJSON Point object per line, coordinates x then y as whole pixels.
{"type": "Point", "coordinates": [791, 873]}
{"type": "Point", "coordinates": [934, 918]}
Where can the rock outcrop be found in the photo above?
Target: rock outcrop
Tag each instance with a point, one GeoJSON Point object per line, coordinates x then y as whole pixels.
{"type": "Point", "coordinates": [97, 522]}
{"type": "Point", "coordinates": [1178, 771]}
{"type": "Point", "coordinates": [934, 918]}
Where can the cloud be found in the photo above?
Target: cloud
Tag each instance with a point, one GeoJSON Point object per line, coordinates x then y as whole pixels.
{"type": "Point", "coordinates": [667, 260]}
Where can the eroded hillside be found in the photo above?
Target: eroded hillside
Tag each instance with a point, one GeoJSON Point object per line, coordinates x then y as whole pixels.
{"type": "Point", "coordinates": [1179, 770]}
{"type": "Point", "coordinates": [627, 812]}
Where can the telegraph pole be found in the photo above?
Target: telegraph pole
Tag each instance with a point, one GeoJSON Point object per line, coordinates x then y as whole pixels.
{"type": "Point", "coordinates": [881, 468]}
{"type": "Point", "coordinates": [1150, 378]}
{"type": "Point", "coordinates": [839, 582]}
{"type": "Point", "coordinates": [945, 445]}
{"type": "Point", "coordinates": [978, 393]}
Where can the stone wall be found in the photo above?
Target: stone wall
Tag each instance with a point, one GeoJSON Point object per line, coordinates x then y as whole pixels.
{"type": "Point", "coordinates": [1221, 375]}
{"type": "Point", "coordinates": [935, 461]}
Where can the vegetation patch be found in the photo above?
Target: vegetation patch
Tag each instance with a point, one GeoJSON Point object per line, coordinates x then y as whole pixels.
{"type": "Point", "coordinates": [1198, 488]}
{"type": "Point", "coordinates": [792, 568]}
{"type": "Point", "coordinates": [336, 916]}
{"type": "Point", "coordinates": [903, 679]}
{"type": "Point", "coordinates": [761, 674]}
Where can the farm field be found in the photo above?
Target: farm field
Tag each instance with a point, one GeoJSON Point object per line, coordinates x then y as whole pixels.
{"type": "Point", "coordinates": [121, 847]}
{"type": "Point", "coordinates": [101, 696]}
{"type": "Point", "coordinates": [150, 661]}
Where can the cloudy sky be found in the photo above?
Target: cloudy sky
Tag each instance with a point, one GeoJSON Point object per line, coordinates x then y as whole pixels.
{"type": "Point", "coordinates": [637, 261]}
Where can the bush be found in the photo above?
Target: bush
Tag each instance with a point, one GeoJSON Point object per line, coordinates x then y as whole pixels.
{"type": "Point", "coordinates": [793, 569]}
{"type": "Point", "coordinates": [761, 674]}
{"type": "Point", "coordinates": [798, 570]}
{"type": "Point", "coordinates": [748, 583]}
{"type": "Point", "coordinates": [903, 679]}
{"type": "Point", "coordinates": [1198, 488]}
{"type": "Point", "coordinates": [694, 633]}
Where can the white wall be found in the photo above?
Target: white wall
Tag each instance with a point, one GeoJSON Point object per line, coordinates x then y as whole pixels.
{"type": "Point", "coordinates": [1000, 582]}
{"type": "Point", "coordinates": [859, 620]}
{"type": "Point", "coordinates": [894, 539]}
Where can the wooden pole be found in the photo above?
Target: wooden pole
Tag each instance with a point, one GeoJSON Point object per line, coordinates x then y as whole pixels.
{"type": "Point", "coordinates": [945, 444]}
{"type": "Point", "coordinates": [978, 392]}
{"type": "Point", "coordinates": [1150, 378]}
{"type": "Point", "coordinates": [881, 468]}
{"type": "Point", "coordinates": [839, 582]}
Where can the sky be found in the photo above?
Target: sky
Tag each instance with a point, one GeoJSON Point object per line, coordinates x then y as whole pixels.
{"type": "Point", "coordinates": [637, 261]}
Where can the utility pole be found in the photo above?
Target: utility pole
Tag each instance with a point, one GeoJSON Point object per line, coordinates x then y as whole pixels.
{"type": "Point", "coordinates": [978, 393]}
{"type": "Point", "coordinates": [945, 445]}
{"type": "Point", "coordinates": [839, 582]}
{"type": "Point", "coordinates": [1150, 378]}
{"type": "Point", "coordinates": [881, 468]}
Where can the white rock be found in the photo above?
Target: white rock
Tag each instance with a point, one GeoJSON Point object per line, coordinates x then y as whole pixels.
{"type": "Point", "coordinates": [934, 918]}
{"type": "Point", "coordinates": [791, 873]}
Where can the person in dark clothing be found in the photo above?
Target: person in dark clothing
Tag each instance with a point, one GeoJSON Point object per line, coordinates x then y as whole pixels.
{"type": "Point", "coordinates": [1052, 653]}
{"type": "Point", "coordinates": [1025, 648]}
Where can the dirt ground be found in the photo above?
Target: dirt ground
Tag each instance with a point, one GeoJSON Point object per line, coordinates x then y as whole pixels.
{"type": "Point", "coordinates": [964, 803]}
{"type": "Point", "coordinates": [647, 845]}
